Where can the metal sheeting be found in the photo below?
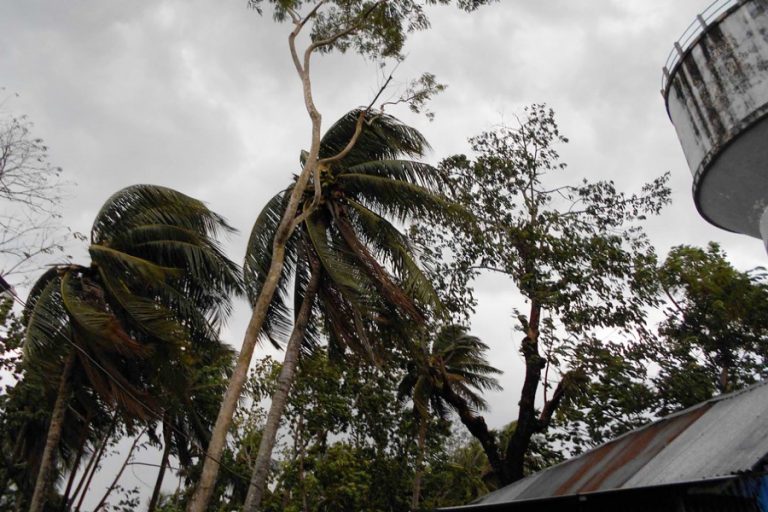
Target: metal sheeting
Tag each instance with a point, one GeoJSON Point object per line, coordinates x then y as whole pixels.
{"type": "Point", "coordinates": [722, 436]}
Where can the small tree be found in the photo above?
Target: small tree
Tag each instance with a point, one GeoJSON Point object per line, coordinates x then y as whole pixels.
{"type": "Point", "coordinates": [30, 197]}
{"type": "Point", "coordinates": [449, 371]}
{"type": "Point", "coordinates": [575, 253]}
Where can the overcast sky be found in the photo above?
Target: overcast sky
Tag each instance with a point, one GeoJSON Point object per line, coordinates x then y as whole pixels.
{"type": "Point", "coordinates": [201, 96]}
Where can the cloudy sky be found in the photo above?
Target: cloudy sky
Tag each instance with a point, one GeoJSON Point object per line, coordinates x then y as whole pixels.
{"type": "Point", "coordinates": [201, 96]}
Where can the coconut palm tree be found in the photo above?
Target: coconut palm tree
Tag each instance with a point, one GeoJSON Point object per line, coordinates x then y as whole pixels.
{"type": "Point", "coordinates": [158, 283]}
{"type": "Point", "coordinates": [349, 262]}
{"type": "Point", "coordinates": [447, 372]}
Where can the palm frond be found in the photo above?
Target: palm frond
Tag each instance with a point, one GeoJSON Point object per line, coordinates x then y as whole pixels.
{"type": "Point", "coordinates": [147, 316]}
{"type": "Point", "coordinates": [258, 260]}
{"type": "Point", "coordinates": [47, 322]}
{"type": "Point", "coordinates": [383, 137]}
{"type": "Point", "coordinates": [409, 171]}
{"type": "Point", "coordinates": [150, 204]}
{"type": "Point", "coordinates": [123, 264]}
{"type": "Point", "coordinates": [336, 263]}
{"type": "Point", "coordinates": [302, 277]}
{"type": "Point", "coordinates": [398, 199]}
{"type": "Point", "coordinates": [394, 247]}
{"type": "Point", "coordinates": [85, 305]}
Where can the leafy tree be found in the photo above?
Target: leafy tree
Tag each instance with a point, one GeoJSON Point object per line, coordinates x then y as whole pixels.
{"type": "Point", "coordinates": [13, 412]}
{"type": "Point", "coordinates": [447, 372]}
{"type": "Point", "coordinates": [346, 426]}
{"type": "Point", "coordinates": [347, 443]}
{"type": "Point", "coordinates": [616, 396]}
{"type": "Point", "coordinates": [341, 250]}
{"type": "Point", "coordinates": [575, 253]}
{"type": "Point", "coordinates": [712, 340]}
{"type": "Point", "coordinates": [715, 334]}
{"type": "Point", "coordinates": [157, 281]}
{"type": "Point", "coordinates": [377, 30]}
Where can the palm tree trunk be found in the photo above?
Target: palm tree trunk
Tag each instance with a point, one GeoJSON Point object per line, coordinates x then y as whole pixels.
{"type": "Point", "coordinates": [119, 473]}
{"type": "Point", "coordinates": [205, 486]}
{"type": "Point", "coordinates": [280, 397]}
{"type": "Point", "coordinates": [48, 461]}
{"type": "Point", "coordinates": [422, 441]}
{"type": "Point", "coordinates": [93, 464]}
{"type": "Point", "coordinates": [80, 450]}
{"type": "Point", "coordinates": [163, 464]}
{"type": "Point", "coordinates": [479, 429]}
{"type": "Point", "coordinates": [311, 169]}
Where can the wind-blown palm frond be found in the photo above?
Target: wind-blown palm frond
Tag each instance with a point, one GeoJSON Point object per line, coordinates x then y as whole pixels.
{"type": "Point", "coordinates": [370, 273]}
{"type": "Point", "coordinates": [451, 358]}
{"type": "Point", "coordinates": [258, 259]}
{"type": "Point", "coordinates": [394, 248]}
{"type": "Point", "coordinates": [400, 200]}
{"type": "Point", "coordinates": [142, 205]}
{"type": "Point", "coordinates": [408, 171]}
{"type": "Point", "coordinates": [383, 137]}
{"type": "Point", "coordinates": [135, 325]}
{"type": "Point", "coordinates": [48, 328]}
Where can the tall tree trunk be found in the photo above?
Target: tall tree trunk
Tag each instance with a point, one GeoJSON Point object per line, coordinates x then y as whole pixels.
{"type": "Point", "coordinates": [527, 422]}
{"type": "Point", "coordinates": [302, 452]}
{"type": "Point", "coordinates": [422, 441]}
{"type": "Point", "coordinates": [48, 460]}
{"type": "Point", "coordinates": [205, 486]}
{"type": "Point", "coordinates": [280, 397]}
{"type": "Point", "coordinates": [311, 169]}
{"type": "Point", "coordinates": [163, 464]}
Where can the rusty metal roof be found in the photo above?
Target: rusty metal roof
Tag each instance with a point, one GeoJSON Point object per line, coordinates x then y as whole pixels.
{"type": "Point", "coordinates": [722, 436]}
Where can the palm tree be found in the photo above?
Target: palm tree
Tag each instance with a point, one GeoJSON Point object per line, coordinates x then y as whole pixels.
{"type": "Point", "coordinates": [348, 261]}
{"type": "Point", "coordinates": [448, 372]}
{"type": "Point", "coordinates": [158, 283]}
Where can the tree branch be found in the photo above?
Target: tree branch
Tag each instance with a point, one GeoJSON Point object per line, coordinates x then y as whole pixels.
{"type": "Point", "coordinates": [550, 407]}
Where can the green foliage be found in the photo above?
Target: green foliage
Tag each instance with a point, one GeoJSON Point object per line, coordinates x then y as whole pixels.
{"type": "Point", "coordinates": [141, 322]}
{"type": "Point", "coordinates": [616, 395]}
{"type": "Point", "coordinates": [369, 272]}
{"type": "Point", "coordinates": [15, 409]}
{"type": "Point", "coordinates": [712, 340]}
{"type": "Point", "coordinates": [380, 27]}
{"type": "Point", "coordinates": [576, 253]}
{"type": "Point", "coordinates": [575, 249]}
{"type": "Point", "coordinates": [715, 335]}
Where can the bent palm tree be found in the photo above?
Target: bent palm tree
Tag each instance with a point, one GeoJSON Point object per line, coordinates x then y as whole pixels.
{"type": "Point", "coordinates": [157, 281]}
{"type": "Point", "coordinates": [349, 262]}
{"type": "Point", "coordinates": [448, 372]}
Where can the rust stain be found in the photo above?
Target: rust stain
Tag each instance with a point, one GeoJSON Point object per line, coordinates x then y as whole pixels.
{"type": "Point", "coordinates": [646, 443]}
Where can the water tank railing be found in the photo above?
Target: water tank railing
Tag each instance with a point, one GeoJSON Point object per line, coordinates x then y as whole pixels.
{"type": "Point", "coordinates": [691, 35]}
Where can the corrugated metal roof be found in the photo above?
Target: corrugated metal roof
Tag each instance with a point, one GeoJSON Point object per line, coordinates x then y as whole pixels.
{"type": "Point", "coordinates": [723, 436]}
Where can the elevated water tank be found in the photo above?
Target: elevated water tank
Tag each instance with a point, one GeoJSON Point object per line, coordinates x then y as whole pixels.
{"type": "Point", "coordinates": [715, 85]}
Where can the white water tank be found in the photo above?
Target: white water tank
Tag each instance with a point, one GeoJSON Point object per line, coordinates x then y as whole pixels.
{"type": "Point", "coordinates": [715, 86]}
